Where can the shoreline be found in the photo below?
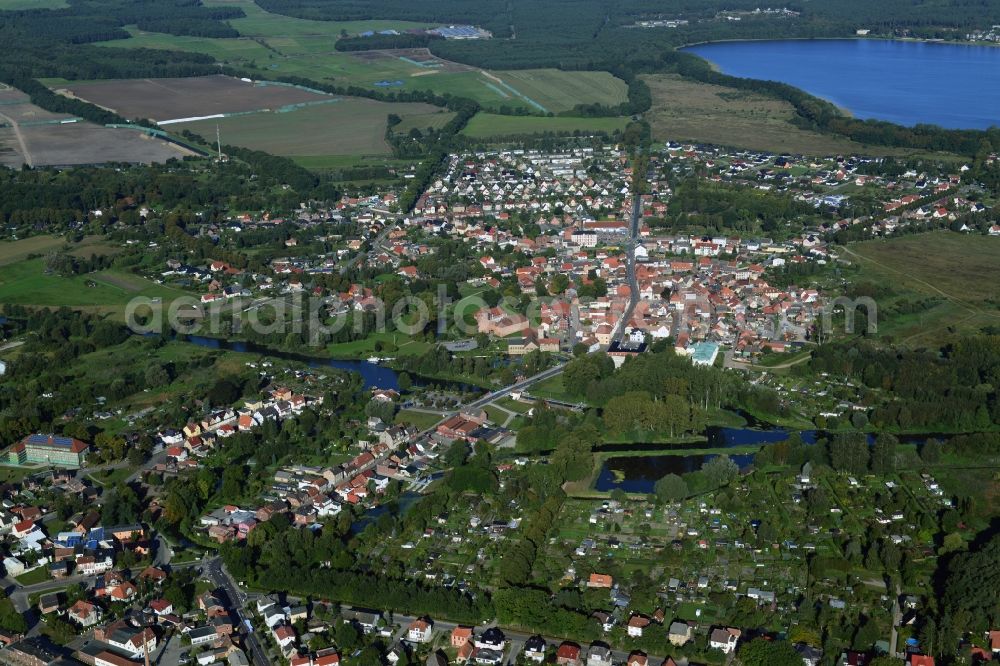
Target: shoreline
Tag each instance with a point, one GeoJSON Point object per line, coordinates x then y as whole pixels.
{"type": "Point", "coordinates": [843, 110]}
{"type": "Point", "coordinates": [855, 38]}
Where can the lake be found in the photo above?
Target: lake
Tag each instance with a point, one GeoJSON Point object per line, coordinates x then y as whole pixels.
{"type": "Point", "coordinates": [951, 85]}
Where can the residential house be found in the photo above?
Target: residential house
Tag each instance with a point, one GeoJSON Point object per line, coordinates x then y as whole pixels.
{"type": "Point", "coordinates": [491, 639]}
{"type": "Point", "coordinates": [568, 654]}
{"type": "Point", "coordinates": [460, 636]}
{"type": "Point", "coordinates": [724, 639]}
{"type": "Point", "coordinates": [600, 581]}
{"type": "Point", "coordinates": [419, 631]}
{"type": "Point", "coordinates": [599, 654]}
{"type": "Point", "coordinates": [680, 633]}
{"type": "Point", "coordinates": [636, 625]}
{"type": "Point", "coordinates": [84, 613]}
{"type": "Point", "coordinates": [534, 649]}
{"type": "Point", "coordinates": [637, 658]}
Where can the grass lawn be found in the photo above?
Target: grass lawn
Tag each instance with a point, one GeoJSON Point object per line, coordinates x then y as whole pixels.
{"type": "Point", "coordinates": [553, 389]}
{"type": "Point", "coordinates": [497, 416]}
{"type": "Point", "coordinates": [488, 125]}
{"type": "Point", "coordinates": [11, 474]}
{"type": "Point", "coordinates": [687, 110]}
{"type": "Point", "coordinates": [39, 575]}
{"type": "Point", "coordinates": [725, 418]}
{"type": "Point", "coordinates": [366, 347]}
{"type": "Point", "coordinates": [514, 405]}
{"type": "Point", "coordinates": [421, 420]}
{"type": "Point", "coordinates": [338, 162]}
{"type": "Point", "coordinates": [939, 267]}
{"type": "Point", "coordinates": [55, 526]}
{"type": "Point", "coordinates": [109, 477]}
{"type": "Point", "coordinates": [27, 283]}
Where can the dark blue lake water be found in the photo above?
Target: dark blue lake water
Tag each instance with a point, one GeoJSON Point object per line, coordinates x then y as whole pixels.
{"type": "Point", "coordinates": [950, 85]}
{"type": "Point", "coordinates": [639, 474]}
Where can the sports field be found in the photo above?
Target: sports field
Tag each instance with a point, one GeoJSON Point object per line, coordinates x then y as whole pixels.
{"type": "Point", "coordinates": [955, 275]}
{"type": "Point", "coordinates": [488, 125]}
{"type": "Point", "coordinates": [350, 126]}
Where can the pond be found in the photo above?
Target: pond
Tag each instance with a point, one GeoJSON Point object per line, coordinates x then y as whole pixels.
{"type": "Point", "coordinates": [888, 80]}
{"type": "Point", "coordinates": [639, 474]}
{"type": "Point", "coordinates": [403, 504]}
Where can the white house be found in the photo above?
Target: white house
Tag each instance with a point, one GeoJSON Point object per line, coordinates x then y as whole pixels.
{"type": "Point", "coordinates": [419, 631]}
{"type": "Point", "coordinates": [724, 639]}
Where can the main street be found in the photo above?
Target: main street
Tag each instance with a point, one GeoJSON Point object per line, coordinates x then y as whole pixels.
{"type": "Point", "coordinates": [633, 284]}
{"type": "Point", "coordinates": [216, 572]}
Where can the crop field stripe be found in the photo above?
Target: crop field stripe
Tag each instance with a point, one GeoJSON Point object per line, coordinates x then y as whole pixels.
{"type": "Point", "coordinates": [496, 89]}
{"type": "Point", "coordinates": [420, 64]}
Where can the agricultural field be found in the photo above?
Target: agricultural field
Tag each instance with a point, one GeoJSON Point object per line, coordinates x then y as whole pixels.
{"type": "Point", "coordinates": [169, 99]}
{"type": "Point", "coordinates": [935, 271]}
{"type": "Point", "coordinates": [488, 125]}
{"type": "Point", "coordinates": [276, 45]}
{"type": "Point", "coordinates": [86, 143]}
{"type": "Point", "coordinates": [685, 110]}
{"type": "Point", "coordinates": [350, 126]}
{"type": "Point", "coordinates": [15, 251]}
{"type": "Point", "coordinates": [31, 135]}
{"type": "Point", "coordinates": [16, 5]}
{"type": "Point", "coordinates": [559, 91]}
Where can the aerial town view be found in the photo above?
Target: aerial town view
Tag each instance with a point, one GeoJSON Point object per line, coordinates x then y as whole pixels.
{"type": "Point", "coordinates": [591, 333]}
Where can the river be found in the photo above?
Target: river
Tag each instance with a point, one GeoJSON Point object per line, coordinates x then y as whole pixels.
{"type": "Point", "coordinates": [374, 375]}
{"type": "Point", "coordinates": [955, 86]}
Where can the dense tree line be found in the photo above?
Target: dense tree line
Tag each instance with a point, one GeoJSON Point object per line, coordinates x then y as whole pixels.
{"type": "Point", "coordinates": [726, 209]}
{"type": "Point", "coordinates": [379, 41]}
{"type": "Point", "coordinates": [951, 390]}
{"type": "Point", "coordinates": [659, 374]}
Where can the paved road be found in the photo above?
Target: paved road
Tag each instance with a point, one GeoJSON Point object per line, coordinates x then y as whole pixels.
{"type": "Point", "coordinates": [633, 284]}
{"type": "Point", "coordinates": [20, 593]}
{"type": "Point", "coordinates": [897, 620]}
{"type": "Point", "coordinates": [376, 245]}
{"type": "Point", "coordinates": [11, 345]}
{"type": "Point", "coordinates": [216, 572]}
{"type": "Point", "coordinates": [496, 395]}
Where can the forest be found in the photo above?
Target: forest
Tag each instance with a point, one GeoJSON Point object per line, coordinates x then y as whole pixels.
{"type": "Point", "coordinates": [725, 209]}
{"type": "Point", "coordinates": [953, 389]}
